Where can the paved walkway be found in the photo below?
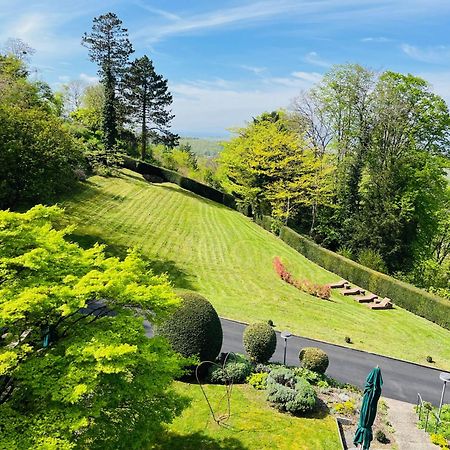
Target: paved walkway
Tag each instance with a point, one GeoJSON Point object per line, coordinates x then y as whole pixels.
{"type": "Point", "coordinates": [407, 435]}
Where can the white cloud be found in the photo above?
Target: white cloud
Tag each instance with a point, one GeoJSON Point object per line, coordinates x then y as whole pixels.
{"type": "Point", "coordinates": [434, 55]}
{"type": "Point", "coordinates": [439, 82]}
{"type": "Point", "coordinates": [89, 79]}
{"type": "Point", "coordinates": [312, 77]}
{"type": "Point", "coordinates": [379, 39]}
{"type": "Point", "coordinates": [158, 11]}
{"type": "Point", "coordinates": [314, 59]}
{"type": "Point", "coordinates": [200, 105]}
{"type": "Point", "coordinates": [254, 69]}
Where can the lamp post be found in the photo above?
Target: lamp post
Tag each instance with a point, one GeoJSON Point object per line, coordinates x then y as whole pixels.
{"type": "Point", "coordinates": [285, 335]}
{"type": "Point", "coordinates": [445, 377]}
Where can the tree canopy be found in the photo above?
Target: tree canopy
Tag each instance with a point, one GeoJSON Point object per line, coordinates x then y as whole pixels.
{"type": "Point", "coordinates": [76, 368]}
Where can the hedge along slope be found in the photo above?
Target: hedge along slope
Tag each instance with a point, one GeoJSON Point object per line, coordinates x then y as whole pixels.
{"type": "Point", "coordinates": [186, 183]}
{"type": "Point", "coordinates": [403, 294]}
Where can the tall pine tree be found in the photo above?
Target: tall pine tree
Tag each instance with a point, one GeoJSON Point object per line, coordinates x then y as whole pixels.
{"type": "Point", "coordinates": [149, 100]}
{"type": "Point", "coordinates": [110, 48]}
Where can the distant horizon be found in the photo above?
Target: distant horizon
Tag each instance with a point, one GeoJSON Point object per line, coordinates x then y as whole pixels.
{"type": "Point", "coordinates": [225, 64]}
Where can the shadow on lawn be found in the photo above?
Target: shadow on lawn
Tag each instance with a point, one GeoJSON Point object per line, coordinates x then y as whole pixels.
{"type": "Point", "coordinates": [198, 441]}
{"type": "Point", "coordinates": [185, 192]}
{"type": "Point", "coordinates": [179, 277]}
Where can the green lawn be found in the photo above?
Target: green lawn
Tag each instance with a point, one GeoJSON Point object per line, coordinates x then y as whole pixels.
{"type": "Point", "coordinates": [225, 256]}
{"type": "Point", "coordinates": [253, 424]}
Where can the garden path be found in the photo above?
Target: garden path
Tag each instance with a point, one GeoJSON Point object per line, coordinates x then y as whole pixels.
{"type": "Point", "coordinates": [407, 435]}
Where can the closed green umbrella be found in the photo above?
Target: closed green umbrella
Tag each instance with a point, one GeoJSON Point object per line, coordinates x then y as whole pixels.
{"type": "Point", "coordinates": [372, 392]}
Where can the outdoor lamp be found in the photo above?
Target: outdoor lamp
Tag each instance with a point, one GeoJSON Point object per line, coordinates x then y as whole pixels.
{"type": "Point", "coordinates": [445, 377]}
{"type": "Point", "coordinates": [285, 335]}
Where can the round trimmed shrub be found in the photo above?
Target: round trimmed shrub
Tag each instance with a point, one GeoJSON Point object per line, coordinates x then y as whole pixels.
{"type": "Point", "coordinates": [314, 359]}
{"type": "Point", "coordinates": [260, 342]}
{"type": "Point", "coordinates": [194, 329]}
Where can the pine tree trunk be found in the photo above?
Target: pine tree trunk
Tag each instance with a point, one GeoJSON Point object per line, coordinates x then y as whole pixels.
{"type": "Point", "coordinates": [109, 113]}
{"type": "Point", "coordinates": [144, 125]}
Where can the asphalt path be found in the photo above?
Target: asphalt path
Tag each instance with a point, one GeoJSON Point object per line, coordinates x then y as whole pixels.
{"type": "Point", "coordinates": [402, 380]}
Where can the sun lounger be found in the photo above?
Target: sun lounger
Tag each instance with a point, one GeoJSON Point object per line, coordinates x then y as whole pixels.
{"type": "Point", "coordinates": [386, 303]}
{"type": "Point", "coordinates": [367, 299]}
{"type": "Point", "coordinates": [339, 284]}
{"type": "Point", "coordinates": [353, 291]}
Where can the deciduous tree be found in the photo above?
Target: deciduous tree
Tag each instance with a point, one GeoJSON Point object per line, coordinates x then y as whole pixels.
{"type": "Point", "coordinates": [76, 369]}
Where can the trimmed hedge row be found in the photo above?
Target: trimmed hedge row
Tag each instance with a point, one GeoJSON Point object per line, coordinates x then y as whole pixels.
{"type": "Point", "coordinates": [411, 298]}
{"type": "Point", "coordinates": [186, 183]}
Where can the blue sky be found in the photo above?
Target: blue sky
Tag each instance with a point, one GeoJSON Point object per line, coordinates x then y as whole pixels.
{"type": "Point", "coordinates": [227, 61]}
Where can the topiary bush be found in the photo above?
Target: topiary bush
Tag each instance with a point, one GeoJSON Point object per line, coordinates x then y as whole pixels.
{"type": "Point", "coordinates": [290, 393]}
{"type": "Point", "coordinates": [314, 359]}
{"type": "Point", "coordinates": [194, 329]}
{"type": "Point", "coordinates": [236, 370]}
{"type": "Point", "coordinates": [260, 342]}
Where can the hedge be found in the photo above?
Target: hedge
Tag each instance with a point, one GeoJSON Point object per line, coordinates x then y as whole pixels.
{"type": "Point", "coordinates": [411, 298]}
{"type": "Point", "coordinates": [186, 183]}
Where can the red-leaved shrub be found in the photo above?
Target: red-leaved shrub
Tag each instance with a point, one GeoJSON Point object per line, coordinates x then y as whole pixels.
{"type": "Point", "coordinates": [317, 290]}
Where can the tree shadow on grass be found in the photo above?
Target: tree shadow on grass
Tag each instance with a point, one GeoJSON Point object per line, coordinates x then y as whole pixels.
{"type": "Point", "coordinates": [185, 192]}
{"type": "Point", "coordinates": [179, 277]}
{"type": "Point", "coordinates": [197, 441]}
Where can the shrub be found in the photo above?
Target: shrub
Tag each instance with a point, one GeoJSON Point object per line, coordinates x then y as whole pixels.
{"type": "Point", "coordinates": [314, 359]}
{"type": "Point", "coordinates": [194, 329]}
{"type": "Point", "coordinates": [236, 370]}
{"type": "Point", "coordinates": [348, 339]}
{"type": "Point", "coordinates": [290, 393]}
{"type": "Point", "coordinates": [37, 156]}
{"type": "Point", "coordinates": [438, 439]}
{"type": "Point", "coordinates": [258, 380]}
{"type": "Point", "coordinates": [347, 408]}
{"type": "Point", "coordinates": [429, 359]}
{"type": "Point", "coordinates": [381, 437]}
{"type": "Point", "coordinates": [317, 290]}
{"type": "Point", "coordinates": [413, 299]}
{"type": "Point", "coordinates": [372, 259]}
{"type": "Point", "coordinates": [260, 342]}
{"type": "Point", "coordinates": [347, 252]}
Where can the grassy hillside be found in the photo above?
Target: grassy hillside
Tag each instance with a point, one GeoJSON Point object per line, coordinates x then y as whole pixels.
{"type": "Point", "coordinates": [222, 254]}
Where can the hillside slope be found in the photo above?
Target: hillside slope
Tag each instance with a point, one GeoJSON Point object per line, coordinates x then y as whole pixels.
{"type": "Point", "coordinates": [222, 254]}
